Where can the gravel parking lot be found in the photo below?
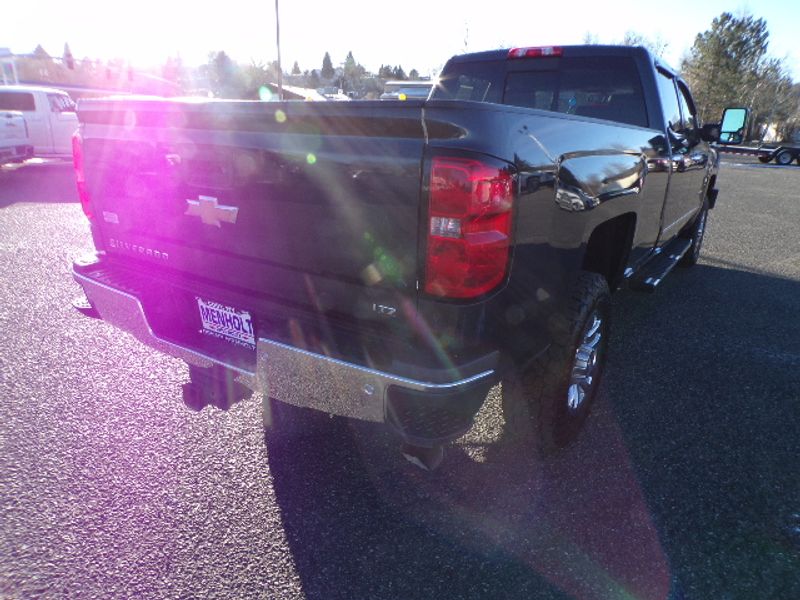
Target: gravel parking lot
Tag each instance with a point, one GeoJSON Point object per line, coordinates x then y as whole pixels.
{"type": "Point", "coordinates": [683, 485]}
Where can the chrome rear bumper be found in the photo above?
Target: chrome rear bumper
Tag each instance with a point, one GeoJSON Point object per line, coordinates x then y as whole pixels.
{"type": "Point", "coordinates": [283, 372]}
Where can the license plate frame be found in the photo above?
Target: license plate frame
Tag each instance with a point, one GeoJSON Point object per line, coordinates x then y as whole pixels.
{"type": "Point", "coordinates": [228, 323]}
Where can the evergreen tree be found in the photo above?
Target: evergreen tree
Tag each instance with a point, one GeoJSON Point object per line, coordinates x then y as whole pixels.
{"type": "Point", "coordinates": [327, 67]}
{"type": "Point", "coordinates": [724, 64]}
{"type": "Point", "coordinates": [69, 60]}
{"type": "Point", "coordinates": [385, 72]}
{"type": "Point", "coordinates": [728, 65]}
{"type": "Point", "coordinates": [353, 73]}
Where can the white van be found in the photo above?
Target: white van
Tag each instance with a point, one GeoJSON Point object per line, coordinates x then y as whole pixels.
{"type": "Point", "coordinates": [49, 113]}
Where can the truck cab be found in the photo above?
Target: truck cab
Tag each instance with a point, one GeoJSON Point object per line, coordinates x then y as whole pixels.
{"type": "Point", "coordinates": [49, 113]}
{"type": "Point", "coordinates": [14, 143]}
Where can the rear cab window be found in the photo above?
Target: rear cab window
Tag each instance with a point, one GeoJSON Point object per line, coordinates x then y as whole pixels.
{"type": "Point", "coordinates": [601, 87]}
{"type": "Point", "coordinates": [12, 100]}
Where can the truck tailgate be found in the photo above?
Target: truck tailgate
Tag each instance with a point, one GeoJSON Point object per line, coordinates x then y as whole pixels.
{"type": "Point", "coordinates": [311, 205]}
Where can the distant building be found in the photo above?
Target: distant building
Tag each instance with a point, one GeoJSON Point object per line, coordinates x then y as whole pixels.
{"type": "Point", "coordinates": [8, 69]}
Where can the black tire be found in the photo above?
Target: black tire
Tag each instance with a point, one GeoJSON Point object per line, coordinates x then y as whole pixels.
{"type": "Point", "coordinates": [784, 157]}
{"type": "Point", "coordinates": [696, 233]}
{"type": "Point", "coordinates": [536, 397]}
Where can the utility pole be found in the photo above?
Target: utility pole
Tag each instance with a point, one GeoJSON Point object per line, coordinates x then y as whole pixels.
{"type": "Point", "coordinates": [278, 39]}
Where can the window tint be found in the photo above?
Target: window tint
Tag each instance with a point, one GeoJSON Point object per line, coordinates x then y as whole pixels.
{"type": "Point", "coordinates": [598, 87]}
{"type": "Point", "coordinates": [478, 82]}
{"type": "Point", "coordinates": [533, 90]}
{"type": "Point", "coordinates": [669, 101]}
{"type": "Point", "coordinates": [16, 101]}
{"type": "Point", "coordinates": [603, 87]}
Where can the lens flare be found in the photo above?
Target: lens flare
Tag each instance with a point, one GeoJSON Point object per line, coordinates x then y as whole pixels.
{"type": "Point", "coordinates": [264, 94]}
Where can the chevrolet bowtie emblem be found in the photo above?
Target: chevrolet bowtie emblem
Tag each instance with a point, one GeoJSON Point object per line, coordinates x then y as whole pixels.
{"type": "Point", "coordinates": [210, 212]}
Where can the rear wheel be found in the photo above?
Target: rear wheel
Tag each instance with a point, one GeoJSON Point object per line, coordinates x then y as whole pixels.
{"type": "Point", "coordinates": [784, 157]}
{"type": "Point", "coordinates": [551, 397]}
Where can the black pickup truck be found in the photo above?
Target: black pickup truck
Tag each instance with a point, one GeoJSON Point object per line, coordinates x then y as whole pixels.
{"type": "Point", "coordinates": [394, 261]}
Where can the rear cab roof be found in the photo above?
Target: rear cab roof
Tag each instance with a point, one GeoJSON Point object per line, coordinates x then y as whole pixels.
{"type": "Point", "coordinates": [646, 62]}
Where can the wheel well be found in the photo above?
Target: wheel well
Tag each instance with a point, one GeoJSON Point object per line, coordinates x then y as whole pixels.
{"type": "Point", "coordinates": [608, 248]}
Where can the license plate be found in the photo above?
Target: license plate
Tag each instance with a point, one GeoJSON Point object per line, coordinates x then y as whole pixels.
{"type": "Point", "coordinates": [227, 323]}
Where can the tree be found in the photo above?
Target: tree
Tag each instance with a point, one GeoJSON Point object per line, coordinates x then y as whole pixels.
{"type": "Point", "coordinates": [729, 65]}
{"type": "Point", "coordinates": [327, 67]}
{"type": "Point", "coordinates": [724, 61]}
{"type": "Point", "coordinates": [352, 73]}
{"type": "Point", "coordinates": [69, 60]}
{"type": "Point", "coordinates": [225, 77]}
{"type": "Point", "coordinates": [773, 102]}
{"type": "Point", "coordinates": [40, 53]}
{"type": "Point", "coordinates": [398, 73]}
{"type": "Point", "coordinates": [413, 74]}
{"type": "Point", "coordinates": [172, 70]}
{"type": "Point", "coordinates": [40, 67]}
{"type": "Point", "coordinates": [385, 72]}
{"type": "Point", "coordinates": [296, 69]}
{"type": "Point", "coordinates": [590, 38]}
{"type": "Point", "coordinates": [658, 46]}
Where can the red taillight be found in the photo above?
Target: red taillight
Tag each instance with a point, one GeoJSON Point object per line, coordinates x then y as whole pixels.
{"type": "Point", "coordinates": [538, 52]}
{"type": "Point", "coordinates": [469, 227]}
{"type": "Point", "coordinates": [80, 179]}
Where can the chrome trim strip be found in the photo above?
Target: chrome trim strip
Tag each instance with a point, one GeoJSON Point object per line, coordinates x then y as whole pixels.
{"type": "Point", "coordinates": [688, 214]}
{"type": "Point", "coordinates": [284, 372]}
{"type": "Point", "coordinates": [415, 384]}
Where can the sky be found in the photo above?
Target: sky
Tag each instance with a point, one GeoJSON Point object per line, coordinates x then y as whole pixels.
{"type": "Point", "coordinates": [419, 34]}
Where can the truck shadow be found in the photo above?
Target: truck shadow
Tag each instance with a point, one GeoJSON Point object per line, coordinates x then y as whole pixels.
{"type": "Point", "coordinates": [52, 182]}
{"type": "Point", "coordinates": [682, 477]}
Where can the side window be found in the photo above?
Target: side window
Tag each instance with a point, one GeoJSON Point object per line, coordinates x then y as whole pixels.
{"type": "Point", "coordinates": [60, 103]}
{"type": "Point", "coordinates": [689, 118]}
{"type": "Point", "coordinates": [17, 101]}
{"type": "Point", "coordinates": [68, 103]}
{"type": "Point", "coordinates": [669, 101]}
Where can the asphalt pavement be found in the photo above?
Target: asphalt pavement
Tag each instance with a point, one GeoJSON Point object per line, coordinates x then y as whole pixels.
{"type": "Point", "coordinates": [683, 485]}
